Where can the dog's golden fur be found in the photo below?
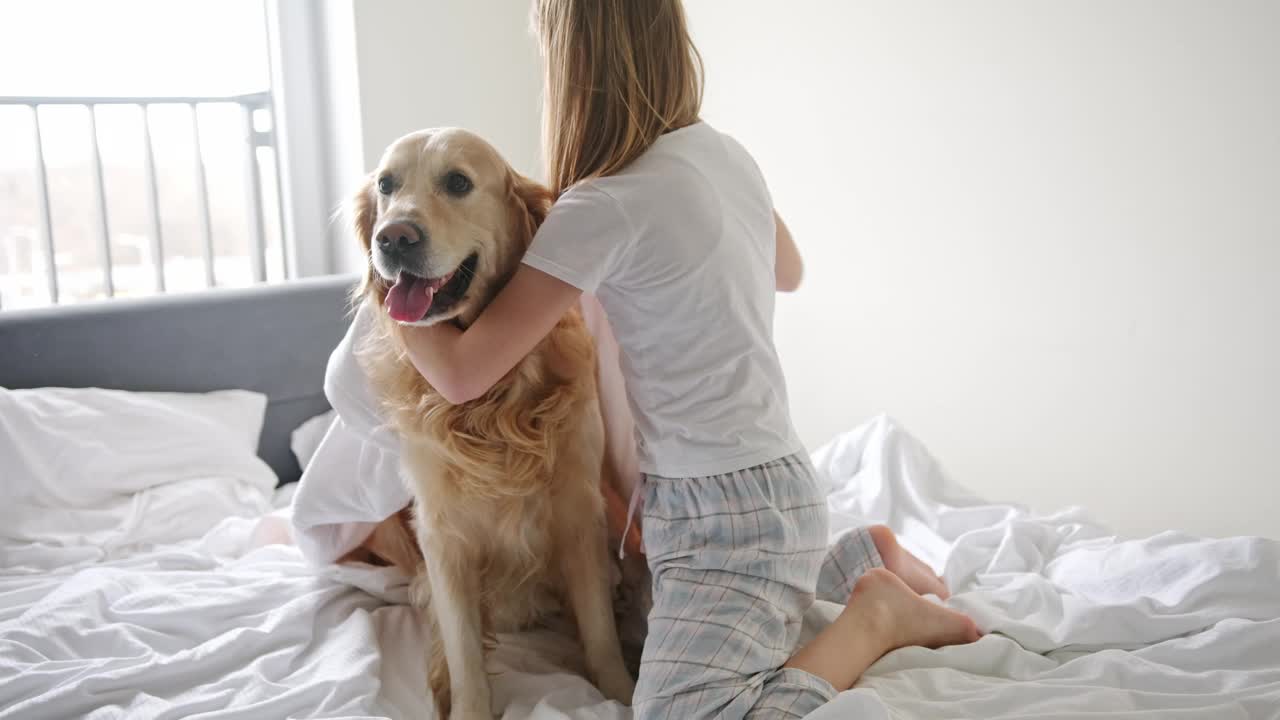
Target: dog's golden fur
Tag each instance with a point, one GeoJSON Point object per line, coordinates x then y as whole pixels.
{"type": "Point", "coordinates": [508, 514]}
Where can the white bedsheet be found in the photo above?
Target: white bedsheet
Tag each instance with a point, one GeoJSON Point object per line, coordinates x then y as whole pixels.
{"type": "Point", "coordinates": [1081, 624]}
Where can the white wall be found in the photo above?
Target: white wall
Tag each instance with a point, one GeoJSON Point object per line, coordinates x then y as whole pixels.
{"type": "Point", "coordinates": [435, 63]}
{"type": "Point", "coordinates": [1043, 235]}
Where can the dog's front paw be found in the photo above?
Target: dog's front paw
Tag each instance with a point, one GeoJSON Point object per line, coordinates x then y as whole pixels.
{"type": "Point", "coordinates": [617, 685]}
{"type": "Point", "coordinates": [472, 705]}
{"type": "Point", "coordinates": [460, 713]}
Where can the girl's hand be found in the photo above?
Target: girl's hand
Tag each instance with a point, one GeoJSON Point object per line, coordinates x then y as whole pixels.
{"type": "Point", "coordinates": [788, 267]}
{"type": "Point", "coordinates": [463, 364]}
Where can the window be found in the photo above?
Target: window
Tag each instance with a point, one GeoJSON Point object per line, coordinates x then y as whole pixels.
{"type": "Point", "coordinates": [138, 152]}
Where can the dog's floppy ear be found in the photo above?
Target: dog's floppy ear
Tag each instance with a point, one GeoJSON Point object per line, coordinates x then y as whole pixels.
{"type": "Point", "coordinates": [362, 213]}
{"type": "Point", "coordinates": [530, 203]}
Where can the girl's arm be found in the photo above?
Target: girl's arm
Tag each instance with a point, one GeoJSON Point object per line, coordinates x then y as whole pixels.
{"type": "Point", "coordinates": [788, 268]}
{"type": "Point", "coordinates": [463, 364]}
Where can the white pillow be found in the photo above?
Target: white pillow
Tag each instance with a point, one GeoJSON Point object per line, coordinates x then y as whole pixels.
{"type": "Point", "coordinates": [103, 471]}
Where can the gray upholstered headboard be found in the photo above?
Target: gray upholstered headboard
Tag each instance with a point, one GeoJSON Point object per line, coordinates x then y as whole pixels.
{"type": "Point", "coordinates": [275, 340]}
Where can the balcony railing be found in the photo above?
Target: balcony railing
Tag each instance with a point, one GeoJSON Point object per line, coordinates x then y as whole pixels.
{"type": "Point", "coordinates": [253, 139]}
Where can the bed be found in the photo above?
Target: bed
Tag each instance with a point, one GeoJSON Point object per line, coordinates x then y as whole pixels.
{"type": "Point", "coordinates": [211, 615]}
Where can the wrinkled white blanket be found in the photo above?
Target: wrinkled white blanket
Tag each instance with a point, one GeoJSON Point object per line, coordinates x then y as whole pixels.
{"type": "Point", "coordinates": [1081, 624]}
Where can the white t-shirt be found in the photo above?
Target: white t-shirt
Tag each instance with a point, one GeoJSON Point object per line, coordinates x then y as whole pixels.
{"type": "Point", "coordinates": [679, 247]}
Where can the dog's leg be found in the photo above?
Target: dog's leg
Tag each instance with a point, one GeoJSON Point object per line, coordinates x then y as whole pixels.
{"type": "Point", "coordinates": [438, 675]}
{"type": "Point", "coordinates": [437, 665]}
{"type": "Point", "coordinates": [584, 564]}
{"type": "Point", "coordinates": [456, 606]}
{"type": "Point", "coordinates": [583, 555]}
{"type": "Point", "coordinates": [455, 600]}
{"type": "Point", "coordinates": [453, 585]}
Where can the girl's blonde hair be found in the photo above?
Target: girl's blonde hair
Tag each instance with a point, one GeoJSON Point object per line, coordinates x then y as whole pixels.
{"type": "Point", "coordinates": [619, 74]}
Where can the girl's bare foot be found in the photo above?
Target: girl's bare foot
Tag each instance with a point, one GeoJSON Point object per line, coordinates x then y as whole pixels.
{"type": "Point", "coordinates": [883, 614]}
{"type": "Point", "coordinates": [914, 572]}
{"type": "Point", "coordinates": [901, 617]}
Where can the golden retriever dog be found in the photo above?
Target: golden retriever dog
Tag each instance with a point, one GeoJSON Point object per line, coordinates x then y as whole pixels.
{"type": "Point", "coordinates": [508, 512]}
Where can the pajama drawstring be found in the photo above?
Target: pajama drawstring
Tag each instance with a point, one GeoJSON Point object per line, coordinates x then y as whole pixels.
{"type": "Point", "coordinates": [631, 513]}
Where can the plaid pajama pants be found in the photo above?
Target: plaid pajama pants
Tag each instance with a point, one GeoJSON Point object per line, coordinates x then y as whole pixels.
{"type": "Point", "coordinates": [736, 560]}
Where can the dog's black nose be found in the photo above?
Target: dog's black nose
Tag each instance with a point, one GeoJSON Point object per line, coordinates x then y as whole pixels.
{"type": "Point", "coordinates": [398, 236]}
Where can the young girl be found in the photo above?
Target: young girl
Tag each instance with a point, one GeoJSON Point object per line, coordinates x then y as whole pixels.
{"type": "Point", "coordinates": [670, 223]}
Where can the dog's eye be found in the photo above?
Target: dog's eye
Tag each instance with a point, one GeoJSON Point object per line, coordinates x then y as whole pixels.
{"type": "Point", "coordinates": [386, 185]}
{"type": "Point", "coordinates": [457, 184]}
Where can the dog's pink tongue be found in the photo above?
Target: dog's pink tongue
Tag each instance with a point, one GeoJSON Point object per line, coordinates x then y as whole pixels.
{"type": "Point", "coordinates": [410, 298]}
